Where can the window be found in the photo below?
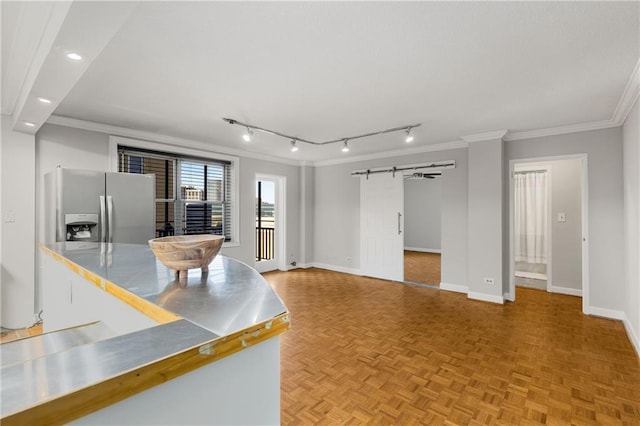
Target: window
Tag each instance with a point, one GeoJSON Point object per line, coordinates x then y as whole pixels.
{"type": "Point", "coordinates": [193, 195]}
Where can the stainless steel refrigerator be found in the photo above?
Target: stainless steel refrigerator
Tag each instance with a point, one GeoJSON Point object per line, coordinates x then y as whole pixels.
{"type": "Point", "coordinates": [84, 205]}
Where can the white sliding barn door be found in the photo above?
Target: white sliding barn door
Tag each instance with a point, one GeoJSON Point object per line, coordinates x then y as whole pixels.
{"type": "Point", "coordinates": [382, 226]}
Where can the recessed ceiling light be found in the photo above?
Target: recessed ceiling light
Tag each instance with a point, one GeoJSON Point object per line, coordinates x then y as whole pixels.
{"type": "Point", "coordinates": [29, 124]}
{"type": "Point", "coordinates": [45, 100]}
{"type": "Point", "coordinates": [74, 56]}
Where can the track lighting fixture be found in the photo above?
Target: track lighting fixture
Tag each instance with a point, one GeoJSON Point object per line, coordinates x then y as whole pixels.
{"type": "Point", "coordinates": [294, 140]}
{"type": "Point", "coordinates": [247, 135]}
{"type": "Point", "coordinates": [409, 137]}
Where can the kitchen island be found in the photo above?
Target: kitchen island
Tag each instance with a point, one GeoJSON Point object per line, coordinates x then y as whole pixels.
{"type": "Point", "coordinates": [201, 352]}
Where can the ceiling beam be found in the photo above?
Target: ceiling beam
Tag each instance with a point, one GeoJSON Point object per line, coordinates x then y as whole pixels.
{"type": "Point", "coordinates": [84, 28]}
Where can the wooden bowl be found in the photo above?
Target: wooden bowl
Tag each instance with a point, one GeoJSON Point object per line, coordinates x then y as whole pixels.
{"type": "Point", "coordinates": [183, 252]}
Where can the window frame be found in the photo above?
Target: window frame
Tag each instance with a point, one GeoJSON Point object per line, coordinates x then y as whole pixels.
{"type": "Point", "coordinates": [185, 201]}
{"type": "Point", "coordinates": [195, 154]}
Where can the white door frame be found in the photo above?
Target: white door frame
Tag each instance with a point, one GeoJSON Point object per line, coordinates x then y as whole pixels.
{"type": "Point", "coordinates": [585, 225]}
{"type": "Point", "coordinates": [280, 249]}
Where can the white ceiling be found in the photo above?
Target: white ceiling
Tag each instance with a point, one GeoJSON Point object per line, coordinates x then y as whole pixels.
{"type": "Point", "coordinates": [327, 70]}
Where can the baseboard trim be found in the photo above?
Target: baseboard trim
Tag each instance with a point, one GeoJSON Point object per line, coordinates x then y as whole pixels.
{"type": "Point", "coordinates": [352, 271]}
{"type": "Point", "coordinates": [604, 313]}
{"type": "Point", "coordinates": [633, 337]}
{"type": "Point", "coordinates": [485, 297]}
{"type": "Point", "coordinates": [423, 250]}
{"type": "Point", "coordinates": [457, 288]}
{"type": "Point", "coordinates": [566, 290]}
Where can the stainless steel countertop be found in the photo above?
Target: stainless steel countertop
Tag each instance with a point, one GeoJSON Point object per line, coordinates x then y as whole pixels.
{"type": "Point", "coordinates": [41, 379]}
{"type": "Point", "coordinates": [229, 298]}
{"type": "Point", "coordinates": [19, 351]}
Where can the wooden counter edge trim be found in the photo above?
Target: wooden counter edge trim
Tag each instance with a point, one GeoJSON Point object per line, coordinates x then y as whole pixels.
{"type": "Point", "coordinates": [93, 398]}
{"type": "Point", "coordinates": [149, 309]}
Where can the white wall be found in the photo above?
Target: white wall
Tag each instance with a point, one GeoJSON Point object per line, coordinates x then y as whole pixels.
{"type": "Point", "coordinates": [422, 211]}
{"type": "Point", "coordinates": [336, 227]}
{"type": "Point", "coordinates": [75, 148]}
{"type": "Point", "coordinates": [566, 244]}
{"type": "Point", "coordinates": [307, 214]}
{"type": "Point", "coordinates": [249, 167]}
{"type": "Point", "coordinates": [484, 217]}
{"type": "Point", "coordinates": [604, 150]}
{"type": "Point", "coordinates": [337, 212]}
{"type": "Point", "coordinates": [631, 163]}
{"type": "Point", "coordinates": [17, 227]}
{"type": "Point", "coordinates": [70, 148]}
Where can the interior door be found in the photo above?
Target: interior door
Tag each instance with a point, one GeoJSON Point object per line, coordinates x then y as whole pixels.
{"type": "Point", "coordinates": [382, 226]}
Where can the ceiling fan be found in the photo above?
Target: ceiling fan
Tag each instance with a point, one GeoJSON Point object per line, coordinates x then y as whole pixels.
{"type": "Point", "coordinates": [422, 175]}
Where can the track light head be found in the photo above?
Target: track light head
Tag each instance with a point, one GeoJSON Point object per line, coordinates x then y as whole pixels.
{"type": "Point", "coordinates": [345, 146]}
{"type": "Point", "coordinates": [247, 135]}
{"type": "Point", "coordinates": [409, 137]}
{"type": "Point", "coordinates": [294, 147]}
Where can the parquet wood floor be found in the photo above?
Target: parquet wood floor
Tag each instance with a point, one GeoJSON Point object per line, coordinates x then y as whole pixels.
{"type": "Point", "coordinates": [10, 335]}
{"type": "Point", "coordinates": [420, 267]}
{"type": "Point", "coordinates": [368, 351]}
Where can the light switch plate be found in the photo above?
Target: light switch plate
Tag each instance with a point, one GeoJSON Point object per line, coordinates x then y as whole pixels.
{"type": "Point", "coordinates": [9, 216]}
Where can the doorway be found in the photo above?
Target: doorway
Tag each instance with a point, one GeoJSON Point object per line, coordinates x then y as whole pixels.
{"type": "Point", "coordinates": [422, 236]}
{"type": "Point", "coordinates": [269, 223]}
{"type": "Point", "coordinates": [532, 191]}
{"type": "Point", "coordinates": [382, 217]}
{"type": "Point", "coordinates": [548, 226]}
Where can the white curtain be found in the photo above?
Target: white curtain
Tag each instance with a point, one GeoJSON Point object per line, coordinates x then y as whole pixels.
{"type": "Point", "coordinates": [531, 217]}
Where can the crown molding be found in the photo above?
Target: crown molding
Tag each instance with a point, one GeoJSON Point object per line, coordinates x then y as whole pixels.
{"type": "Point", "coordinates": [561, 130]}
{"type": "Point", "coordinates": [156, 137]}
{"type": "Point", "coordinates": [625, 104]}
{"type": "Point", "coordinates": [629, 96]}
{"type": "Point", "coordinates": [395, 153]}
{"type": "Point", "coordinates": [487, 136]}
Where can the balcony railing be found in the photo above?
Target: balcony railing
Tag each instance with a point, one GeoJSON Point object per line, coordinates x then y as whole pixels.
{"type": "Point", "coordinates": [264, 243]}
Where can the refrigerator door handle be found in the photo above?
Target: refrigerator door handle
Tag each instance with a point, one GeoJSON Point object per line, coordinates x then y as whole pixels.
{"type": "Point", "coordinates": [103, 223]}
{"type": "Point", "coordinates": [110, 215]}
